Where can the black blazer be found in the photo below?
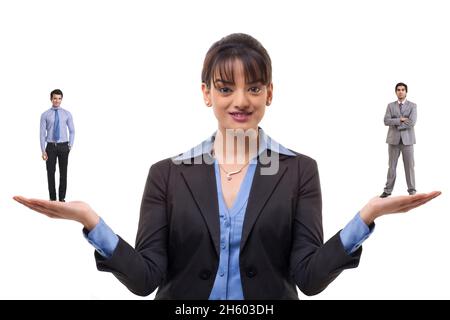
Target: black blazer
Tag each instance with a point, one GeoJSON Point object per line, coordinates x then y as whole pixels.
{"type": "Point", "coordinates": [177, 243]}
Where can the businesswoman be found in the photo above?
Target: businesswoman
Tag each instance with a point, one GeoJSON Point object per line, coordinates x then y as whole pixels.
{"type": "Point", "coordinates": [239, 215]}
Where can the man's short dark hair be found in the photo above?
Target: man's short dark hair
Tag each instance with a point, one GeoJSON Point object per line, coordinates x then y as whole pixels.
{"type": "Point", "coordinates": [56, 91]}
{"type": "Point", "coordinates": [401, 84]}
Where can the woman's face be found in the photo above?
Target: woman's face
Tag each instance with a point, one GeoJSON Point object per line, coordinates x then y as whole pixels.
{"type": "Point", "coordinates": [237, 105]}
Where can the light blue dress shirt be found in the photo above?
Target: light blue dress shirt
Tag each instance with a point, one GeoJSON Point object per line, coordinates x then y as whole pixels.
{"type": "Point", "coordinates": [227, 284]}
{"type": "Point", "coordinates": [47, 127]}
{"type": "Point", "coordinates": [102, 238]}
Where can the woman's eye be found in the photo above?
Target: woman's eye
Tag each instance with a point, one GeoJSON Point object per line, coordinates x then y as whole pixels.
{"type": "Point", "coordinates": [224, 90]}
{"type": "Point", "coordinates": [255, 89]}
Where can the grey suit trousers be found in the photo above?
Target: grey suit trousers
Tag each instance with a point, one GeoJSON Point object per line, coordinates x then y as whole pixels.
{"type": "Point", "coordinates": [407, 152]}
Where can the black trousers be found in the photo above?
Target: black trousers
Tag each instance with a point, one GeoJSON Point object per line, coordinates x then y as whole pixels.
{"type": "Point", "coordinates": [60, 152]}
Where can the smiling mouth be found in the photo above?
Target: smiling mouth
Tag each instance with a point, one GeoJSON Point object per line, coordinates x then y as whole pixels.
{"type": "Point", "coordinates": [241, 113]}
{"type": "Point", "coordinates": [241, 116]}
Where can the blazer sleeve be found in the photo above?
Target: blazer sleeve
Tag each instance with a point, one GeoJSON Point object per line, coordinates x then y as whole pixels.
{"type": "Point", "coordinates": [389, 120]}
{"type": "Point", "coordinates": [411, 120]}
{"type": "Point", "coordinates": [142, 269]}
{"type": "Point", "coordinates": [314, 265]}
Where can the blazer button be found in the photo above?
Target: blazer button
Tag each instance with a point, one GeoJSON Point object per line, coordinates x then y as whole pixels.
{"type": "Point", "coordinates": [204, 274]}
{"type": "Point", "coordinates": [251, 272]}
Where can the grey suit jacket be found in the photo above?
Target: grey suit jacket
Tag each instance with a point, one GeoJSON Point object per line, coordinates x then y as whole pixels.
{"type": "Point", "coordinates": [398, 129]}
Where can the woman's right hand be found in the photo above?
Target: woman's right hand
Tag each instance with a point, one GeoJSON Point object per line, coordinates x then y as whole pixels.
{"type": "Point", "coordinates": [75, 210]}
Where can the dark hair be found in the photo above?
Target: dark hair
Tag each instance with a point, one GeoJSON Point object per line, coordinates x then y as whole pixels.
{"type": "Point", "coordinates": [237, 46]}
{"type": "Point", "coordinates": [56, 91]}
{"type": "Point", "coordinates": [401, 84]}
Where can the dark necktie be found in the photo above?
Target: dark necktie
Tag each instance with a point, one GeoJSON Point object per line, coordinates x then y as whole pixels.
{"type": "Point", "coordinates": [56, 127]}
{"type": "Point", "coordinates": [400, 105]}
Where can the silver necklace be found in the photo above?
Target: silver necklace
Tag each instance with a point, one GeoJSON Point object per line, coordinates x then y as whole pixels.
{"type": "Point", "coordinates": [231, 173]}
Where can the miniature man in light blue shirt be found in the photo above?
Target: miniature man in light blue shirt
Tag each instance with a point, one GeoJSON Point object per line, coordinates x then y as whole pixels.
{"type": "Point", "coordinates": [56, 144]}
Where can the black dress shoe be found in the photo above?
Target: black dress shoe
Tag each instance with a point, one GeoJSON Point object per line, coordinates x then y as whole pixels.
{"type": "Point", "coordinates": [385, 195]}
{"type": "Point", "coordinates": [62, 200]}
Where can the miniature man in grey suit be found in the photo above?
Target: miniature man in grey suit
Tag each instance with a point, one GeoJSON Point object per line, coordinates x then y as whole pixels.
{"type": "Point", "coordinates": [401, 117]}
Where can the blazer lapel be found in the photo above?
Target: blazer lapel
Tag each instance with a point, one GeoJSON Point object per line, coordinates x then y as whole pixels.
{"type": "Point", "coordinates": [407, 107]}
{"type": "Point", "coordinates": [262, 188]}
{"type": "Point", "coordinates": [396, 109]}
{"type": "Point", "coordinates": [201, 181]}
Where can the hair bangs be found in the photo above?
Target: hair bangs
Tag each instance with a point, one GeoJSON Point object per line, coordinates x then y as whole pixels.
{"type": "Point", "coordinates": [254, 67]}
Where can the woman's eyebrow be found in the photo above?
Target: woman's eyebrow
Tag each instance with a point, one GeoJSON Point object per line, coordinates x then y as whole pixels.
{"type": "Point", "coordinates": [224, 81]}
{"type": "Point", "coordinates": [259, 81]}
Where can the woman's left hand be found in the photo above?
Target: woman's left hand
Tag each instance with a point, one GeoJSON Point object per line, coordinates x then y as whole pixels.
{"type": "Point", "coordinates": [378, 207]}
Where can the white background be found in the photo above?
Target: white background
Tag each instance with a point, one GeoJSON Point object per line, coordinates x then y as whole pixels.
{"type": "Point", "coordinates": [130, 73]}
